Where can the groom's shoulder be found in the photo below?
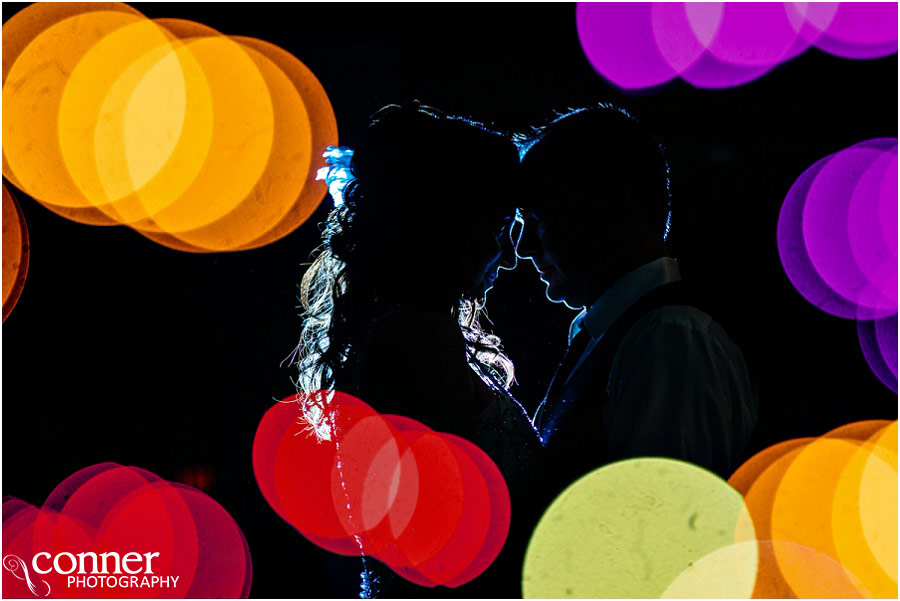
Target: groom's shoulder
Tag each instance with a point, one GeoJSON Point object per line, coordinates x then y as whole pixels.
{"type": "Point", "coordinates": [678, 316]}
{"type": "Point", "coordinates": [674, 327]}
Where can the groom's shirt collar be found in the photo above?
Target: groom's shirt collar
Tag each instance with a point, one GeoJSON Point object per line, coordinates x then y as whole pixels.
{"type": "Point", "coordinates": [624, 293]}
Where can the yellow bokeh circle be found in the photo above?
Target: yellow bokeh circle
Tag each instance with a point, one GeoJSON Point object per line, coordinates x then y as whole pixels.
{"type": "Point", "coordinates": [634, 528]}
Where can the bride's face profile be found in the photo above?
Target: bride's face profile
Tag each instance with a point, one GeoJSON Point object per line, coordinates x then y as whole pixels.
{"type": "Point", "coordinates": [438, 193]}
{"type": "Point", "coordinates": [501, 236]}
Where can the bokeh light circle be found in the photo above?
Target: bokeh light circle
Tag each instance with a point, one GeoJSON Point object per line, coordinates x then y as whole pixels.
{"type": "Point", "coordinates": [729, 572]}
{"type": "Point", "coordinates": [825, 513]}
{"type": "Point", "coordinates": [112, 508]}
{"type": "Point", "coordinates": [32, 94]}
{"type": "Point", "coordinates": [804, 505]}
{"type": "Point", "coordinates": [629, 529]}
{"type": "Point", "coordinates": [861, 30]}
{"type": "Point", "coordinates": [886, 336]}
{"type": "Point", "coordinates": [826, 236]}
{"type": "Point", "coordinates": [793, 254]}
{"type": "Point", "coordinates": [431, 506]}
{"type": "Point", "coordinates": [869, 429]}
{"type": "Point", "coordinates": [28, 23]}
{"type": "Point", "coordinates": [796, 224]}
{"type": "Point", "coordinates": [873, 253]}
{"type": "Point", "coordinates": [814, 575]}
{"type": "Point", "coordinates": [809, 20]}
{"type": "Point", "coordinates": [878, 341]}
{"type": "Point", "coordinates": [92, 122]}
{"type": "Point", "coordinates": [199, 141]}
{"type": "Point", "coordinates": [722, 44]}
{"type": "Point", "coordinates": [676, 36]}
{"type": "Point", "coordinates": [617, 39]}
{"type": "Point", "coordinates": [16, 251]}
{"type": "Point", "coordinates": [746, 39]}
{"type": "Point", "coordinates": [864, 515]}
{"type": "Point", "coordinates": [323, 133]}
{"type": "Point", "coordinates": [279, 185]}
{"type": "Point", "coordinates": [825, 501]}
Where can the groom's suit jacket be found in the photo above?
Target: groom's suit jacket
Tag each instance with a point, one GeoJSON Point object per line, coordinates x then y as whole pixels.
{"type": "Point", "coordinates": [647, 374]}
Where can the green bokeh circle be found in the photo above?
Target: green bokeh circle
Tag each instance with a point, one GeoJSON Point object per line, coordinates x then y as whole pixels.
{"type": "Point", "coordinates": [629, 529]}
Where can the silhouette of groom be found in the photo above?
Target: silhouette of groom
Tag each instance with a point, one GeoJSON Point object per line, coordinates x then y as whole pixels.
{"type": "Point", "coordinates": [646, 372]}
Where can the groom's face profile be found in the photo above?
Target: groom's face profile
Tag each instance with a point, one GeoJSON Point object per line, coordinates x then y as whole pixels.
{"type": "Point", "coordinates": [554, 242]}
{"type": "Point", "coordinates": [533, 246]}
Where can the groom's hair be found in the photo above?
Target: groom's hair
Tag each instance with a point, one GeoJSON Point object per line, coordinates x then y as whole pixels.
{"type": "Point", "coordinates": [603, 153]}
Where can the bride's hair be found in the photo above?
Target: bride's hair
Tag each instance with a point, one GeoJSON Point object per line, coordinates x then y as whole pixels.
{"type": "Point", "coordinates": [407, 233]}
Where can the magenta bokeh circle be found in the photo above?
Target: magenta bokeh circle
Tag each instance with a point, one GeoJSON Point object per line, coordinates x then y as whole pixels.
{"type": "Point", "coordinates": [617, 39]}
{"type": "Point", "coordinates": [810, 20]}
{"type": "Point", "coordinates": [794, 257]}
{"type": "Point", "coordinates": [872, 251]}
{"type": "Point", "coordinates": [886, 336]}
{"type": "Point", "coordinates": [874, 350]}
{"type": "Point", "coordinates": [826, 235]}
{"type": "Point", "coordinates": [887, 208]}
{"type": "Point", "coordinates": [861, 30]}
{"type": "Point", "coordinates": [674, 36]}
{"type": "Point", "coordinates": [637, 45]}
{"type": "Point", "coordinates": [752, 34]}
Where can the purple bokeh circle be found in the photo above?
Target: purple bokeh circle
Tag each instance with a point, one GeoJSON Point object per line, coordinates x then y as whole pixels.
{"type": "Point", "coordinates": [617, 39]}
{"type": "Point", "coordinates": [826, 233]}
{"type": "Point", "coordinates": [710, 72]}
{"type": "Point", "coordinates": [875, 357]}
{"type": "Point", "coordinates": [887, 209]}
{"type": "Point", "coordinates": [792, 249]}
{"type": "Point", "coordinates": [861, 30]}
{"type": "Point", "coordinates": [886, 335]}
{"type": "Point", "coordinates": [871, 251]}
{"type": "Point", "coordinates": [810, 19]}
{"type": "Point", "coordinates": [708, 45]}
{"type": "Point", "coordinates": [751, 34]}
{"type": "Point", "coordinates": [675, 39]}
{"type": "Point", "coordinates": [637, 45]}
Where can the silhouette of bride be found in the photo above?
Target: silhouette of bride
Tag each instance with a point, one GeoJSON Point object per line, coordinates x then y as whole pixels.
{"type": "Point", "coordinates": [424, 210]}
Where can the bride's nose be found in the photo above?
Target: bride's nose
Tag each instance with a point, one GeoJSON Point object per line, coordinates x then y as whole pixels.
{"type": "Point", "coordinates": [508, 258]}
{"type": "Point", "coordinates": [528, 243]}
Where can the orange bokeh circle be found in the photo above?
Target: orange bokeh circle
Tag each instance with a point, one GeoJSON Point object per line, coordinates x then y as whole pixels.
{"type": "Point", "coordinates": [27, 24]}
{"type": "Point", "coordinates": [32, 94]}
{"type": "Point", "coordinates": [308, 194]}
{"type": "Point", "coordinates": [276, 191]}
{"type": "Point", "coordinates": [124, 129]}
{"type": "Point", "coordinates": [834, 497]}
{"type": "Point", "coordinates": [15, 251]}
{"type": "Point", "coordinates": [199, 141]}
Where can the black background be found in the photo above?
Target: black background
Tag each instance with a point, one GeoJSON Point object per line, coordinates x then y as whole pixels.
{"type": "Point", "coordinates": [122, 350]}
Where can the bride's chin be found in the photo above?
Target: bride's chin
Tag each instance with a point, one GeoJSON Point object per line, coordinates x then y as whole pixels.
{"type": "Point", "coordinates": [478, 293]}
